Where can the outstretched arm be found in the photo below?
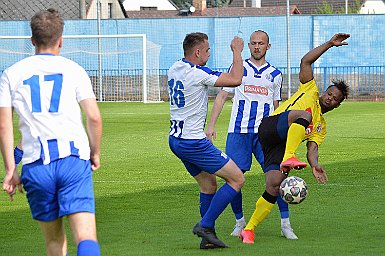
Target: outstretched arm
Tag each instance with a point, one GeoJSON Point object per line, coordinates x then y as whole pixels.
{"type": "Point", "coordinates": [312, 157]}
{"type": "Point", "coordinates": [306, 72]}
{"type": "Point", "coordinates": [215, 112]}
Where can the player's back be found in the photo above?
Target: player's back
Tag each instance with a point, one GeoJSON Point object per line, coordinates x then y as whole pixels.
{"type": "Point", "coordinates": [45, 92]}
{"type": "Point", "coordinates": [188, 98]}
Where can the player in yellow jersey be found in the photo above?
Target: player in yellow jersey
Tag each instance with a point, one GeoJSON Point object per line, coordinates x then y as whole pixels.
{"type": "Point", "coordinates": [297, 119]}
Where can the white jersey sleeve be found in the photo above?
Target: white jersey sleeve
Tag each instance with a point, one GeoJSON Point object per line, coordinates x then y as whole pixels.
{"type": "Point", "coordinates": [277, 79]}
{"type": "Point", "coordinates": [84, 89]}
{"type": "Point", "coordinates": [253, 99]}
{"type": "Point", "coordinates": [188, 91]}
{"type": "Point", "coordinates": [5, 91]}
{"type": "Point", "coordinates": [45, 90]}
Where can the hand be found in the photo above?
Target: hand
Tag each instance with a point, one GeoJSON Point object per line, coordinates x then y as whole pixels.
{"type": "Point", "coordinates": [10, 182]}
{"type": "Point", "coordinates": [95, 161]}
{"type": "Point", "coordinates": [237, 44]}
{"type": "Point", "coordinates": [320, 174]}
{"type": "Point", "coordinates": [211, 133]}
{"type": "Point", "coordinates": [338, 39]}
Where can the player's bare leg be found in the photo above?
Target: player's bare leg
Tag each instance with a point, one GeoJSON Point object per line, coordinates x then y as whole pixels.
{"type": "Point", "coordinates": [207, 182]}
{"type": "Point", "coordinates": [83, 226]}
{"type": "Point", "coordinates": [55, 237]}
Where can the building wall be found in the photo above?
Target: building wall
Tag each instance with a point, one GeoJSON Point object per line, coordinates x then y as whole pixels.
{"type": "Point", "coordinates": [373, 7]}
{"type": "Point", "coordinates": [107, 8]}
{"type": "Point", "coordinates": [134, 5]}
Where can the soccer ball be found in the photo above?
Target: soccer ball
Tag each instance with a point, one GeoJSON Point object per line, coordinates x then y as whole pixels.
{"type": "Point", "coordinates": [293, 190]}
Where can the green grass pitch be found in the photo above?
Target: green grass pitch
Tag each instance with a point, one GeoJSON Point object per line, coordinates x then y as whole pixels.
{"type": "Point", "coordinates": [147, 203]}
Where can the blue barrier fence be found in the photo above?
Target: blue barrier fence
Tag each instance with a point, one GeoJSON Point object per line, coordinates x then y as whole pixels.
{"type": "Point", "coordinates": [366, 83]}
{"type": "Point", "coordinates": [361, 63]}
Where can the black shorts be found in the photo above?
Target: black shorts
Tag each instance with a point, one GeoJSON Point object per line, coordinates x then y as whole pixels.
{"type": "Point", "coordinates": [272, 134]}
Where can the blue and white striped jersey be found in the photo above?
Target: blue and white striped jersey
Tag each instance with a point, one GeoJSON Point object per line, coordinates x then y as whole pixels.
{"type": "Point", "coordinates": [188, 91]}
{"type": "Point", "coordinates": [253, 99]}
{"type": "Point", "coordinates": [45, 90]}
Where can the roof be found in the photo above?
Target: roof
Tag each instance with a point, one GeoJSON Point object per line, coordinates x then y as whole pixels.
{"type": "Point", "coordinates": [24, 10]}
{"type": "Point", "coordinates": [305, 6]}
{"type": "Point", "coordinates": [212, 12]}
{"type": "Point", "coordinates": [133, 5]}
{"type": "Point", "coordinates": [248, 11]}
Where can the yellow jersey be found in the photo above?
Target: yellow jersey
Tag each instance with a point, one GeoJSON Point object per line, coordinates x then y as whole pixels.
{"type": "Point", "coordinates": [307, 98]}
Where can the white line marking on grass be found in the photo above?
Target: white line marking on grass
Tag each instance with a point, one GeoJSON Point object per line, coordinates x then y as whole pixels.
{"type": "Point", "coordinates": [350, 185]}
{"type": "Point", "coordinates": [219, 182]}
{"type": "Point", "coordinates": [144, 113]}
{"type": "Point", "coordinates": [144, 182]}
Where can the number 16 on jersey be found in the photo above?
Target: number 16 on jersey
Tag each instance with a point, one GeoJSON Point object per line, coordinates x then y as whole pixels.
{"type": "Point", "coordinates": [176, 93]}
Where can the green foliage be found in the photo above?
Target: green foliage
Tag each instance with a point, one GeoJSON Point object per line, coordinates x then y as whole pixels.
{"type": "Point", "coordinates": [218, 3]}
{"type": "Point", "coordinates": [209, 3]}
{"type": "Point", "coordinates": [147, 203]}
{"type": "Point", "coordinates": [356, 8]}
{"type": "Point", "coordinates": [180, 3]}
{"type": "Point", "coordinates": [327, 8]}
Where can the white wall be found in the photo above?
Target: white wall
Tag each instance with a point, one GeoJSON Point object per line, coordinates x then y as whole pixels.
{"type": "Point", "coordinates": [134, 5]}
{"type": "Point", "coordinates": [373, 7]}
{"type": "Point", "coordinates": [256, 3]}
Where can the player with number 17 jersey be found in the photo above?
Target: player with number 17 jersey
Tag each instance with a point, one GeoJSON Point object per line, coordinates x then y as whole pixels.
{"type": "Point", "coordinates": [188, 87]}
{"type": "Point", "coordinates": [51, 124]}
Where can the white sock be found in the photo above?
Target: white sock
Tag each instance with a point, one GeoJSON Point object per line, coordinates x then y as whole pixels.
{"type": "Point", "coordinates": [241, 220]}
{"type": "Point", "coordinates": [285, 222]}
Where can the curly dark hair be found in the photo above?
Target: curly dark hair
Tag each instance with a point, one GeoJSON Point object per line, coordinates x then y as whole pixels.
{"type": "Point", "coordinates": [342, 86]}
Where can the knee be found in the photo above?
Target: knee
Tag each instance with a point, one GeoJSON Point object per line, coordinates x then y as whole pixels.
{"type": "Point", "coordinates": [299, 116]}
{"type": "Point", "coordinates": [53, 246]}
{"type": "Point", "coordinates": [239, 179]}
{"type": "Point", "coordinates": [305, 115]}
{"type": "Point", "coordinates": [304, 119]}
{"type": "Point", "coordinates": [209, 187]}
{"type": "Point", "coordinates": [272, 189]}
{"type": "Point", "coordinates": [273, 181]}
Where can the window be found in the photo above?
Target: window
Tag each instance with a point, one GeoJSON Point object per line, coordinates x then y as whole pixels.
{"type": "Point", "coordinates": [110, 10]}
{"type": "Point", "coordinates": [148, 8]}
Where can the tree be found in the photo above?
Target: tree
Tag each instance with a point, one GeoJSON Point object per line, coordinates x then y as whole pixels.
{"type": "Point", "coordinates": [209, 3]}
{"type": "Point", "coordinates": [180, 3]}
{"type": "Point", "coordinates": [218, 3]}
{"type": "Point", "coordinates": [327, 8]}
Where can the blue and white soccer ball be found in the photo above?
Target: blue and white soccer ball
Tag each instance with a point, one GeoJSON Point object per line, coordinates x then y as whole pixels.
{"type": "Point", "coordinates": [293, 190]}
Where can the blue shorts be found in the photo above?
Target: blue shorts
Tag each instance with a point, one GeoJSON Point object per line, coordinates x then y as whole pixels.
{"type": "Point", "coordinates": [241, 146]}
{"type": "Point", "coordinates": [58, 189]}
{"type": "Point", "coordinates": [198, 155]}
